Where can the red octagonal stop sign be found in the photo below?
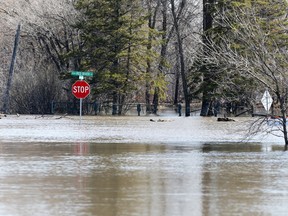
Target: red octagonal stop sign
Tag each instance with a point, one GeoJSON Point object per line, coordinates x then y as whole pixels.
{"type": "Point", "coordinates": [80, 89]}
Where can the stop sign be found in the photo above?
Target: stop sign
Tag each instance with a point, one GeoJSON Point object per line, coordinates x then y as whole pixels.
{"type": "Point", "coordinates": [80, 89]}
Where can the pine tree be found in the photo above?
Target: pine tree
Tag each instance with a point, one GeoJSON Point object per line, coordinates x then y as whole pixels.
{"type": "Point", "coordinates": [114, 46]}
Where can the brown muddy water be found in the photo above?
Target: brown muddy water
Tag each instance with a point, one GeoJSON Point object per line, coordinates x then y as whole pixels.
{"type": "Point", "coordinates": [135, 167]}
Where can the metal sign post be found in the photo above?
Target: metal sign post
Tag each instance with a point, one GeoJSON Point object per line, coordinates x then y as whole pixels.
{"type": "Point", "coordinates": [81, 100]}
{"type": "Point", "coordinates": [81, 89]}
{"type": "Point", "coordinates": [81, 110]}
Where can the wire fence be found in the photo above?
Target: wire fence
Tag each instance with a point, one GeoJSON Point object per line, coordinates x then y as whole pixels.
{"type": "Point", "coordinates": [95, 108]}
{"type": "Point", "coordinates": [108, 108]}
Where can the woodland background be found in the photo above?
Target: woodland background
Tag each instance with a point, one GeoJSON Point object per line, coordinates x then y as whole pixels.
{"type": "Point", "coordinates": [219, 53]}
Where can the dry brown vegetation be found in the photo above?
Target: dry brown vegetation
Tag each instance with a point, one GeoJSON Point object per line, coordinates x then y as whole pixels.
{"type": "Point", "coordinates": [36, 75]}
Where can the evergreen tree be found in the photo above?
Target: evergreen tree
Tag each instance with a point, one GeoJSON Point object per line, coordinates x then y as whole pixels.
{"type": "Point", "coordinates": [114, 46]}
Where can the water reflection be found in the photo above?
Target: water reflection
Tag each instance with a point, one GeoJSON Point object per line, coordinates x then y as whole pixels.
{"type": "Point", "coordinates": [142, 179]}
{"type": "Point", "coordinates": [240, 178]}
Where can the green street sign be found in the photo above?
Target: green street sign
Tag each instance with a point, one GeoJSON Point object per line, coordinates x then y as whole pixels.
{"type": "Point", "coordinates": [81, 73]}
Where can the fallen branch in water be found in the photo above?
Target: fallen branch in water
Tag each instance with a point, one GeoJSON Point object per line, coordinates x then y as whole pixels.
{"type": "Point", "coordinates": [63, 116]}
{"type": "Point", "coordinates": [225, 119]}
{"type": "Point", "coordinates": [160, 120]}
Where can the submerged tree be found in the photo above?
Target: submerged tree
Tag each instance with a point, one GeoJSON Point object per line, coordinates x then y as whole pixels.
{"type": "Point", "coordinates": [178, 10]}
{"type": "Point", "coordinates": [208, 83]}
{"type": "Point", "coordinates": [215, 86]}
{"type": "Point", "coordinates": [256, 49]}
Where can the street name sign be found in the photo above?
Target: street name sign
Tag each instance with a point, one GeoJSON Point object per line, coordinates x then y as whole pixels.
{"type": "Point", "coordinates": [81, 73]}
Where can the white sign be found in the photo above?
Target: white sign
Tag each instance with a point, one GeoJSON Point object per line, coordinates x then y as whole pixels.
{"type": "Point", "coordinates": [267, 100]}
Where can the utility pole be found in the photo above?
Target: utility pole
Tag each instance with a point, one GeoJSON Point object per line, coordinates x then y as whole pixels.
{"type": "Point", "coordinates": [6, 98]}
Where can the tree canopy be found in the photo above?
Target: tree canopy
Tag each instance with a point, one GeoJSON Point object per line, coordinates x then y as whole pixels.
{"type": "Point", "coordinates": [114, 37]}
{"type": "Point", "coordinates": [252, 55]}
{"type": "Point", "coordinates": [147, 51]}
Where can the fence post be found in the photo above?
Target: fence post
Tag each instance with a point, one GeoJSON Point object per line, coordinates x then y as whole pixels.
{"type": "Point", "coordinates": [52, 107]}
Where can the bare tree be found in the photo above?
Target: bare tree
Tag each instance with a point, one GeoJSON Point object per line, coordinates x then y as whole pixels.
{"type": "Point", "coordinates": [256, 52]}
{"type": "Point", "coordinates": [46, 38]}
{"type": "Point", "coordinates": [6, 97]}
{"type": "Point", "coordinates": [185, 16]}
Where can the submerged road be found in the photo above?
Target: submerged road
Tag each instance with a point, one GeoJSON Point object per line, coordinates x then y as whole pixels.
{"type": "Point", "coordinates": [144, 129]}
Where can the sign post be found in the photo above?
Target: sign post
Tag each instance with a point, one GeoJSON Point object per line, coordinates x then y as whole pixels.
{"type": "Point", "coordinates": [81, 89]}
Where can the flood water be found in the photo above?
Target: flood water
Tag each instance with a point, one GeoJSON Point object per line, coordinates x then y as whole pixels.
{"type": "Point", "coordinates": [168, 178]}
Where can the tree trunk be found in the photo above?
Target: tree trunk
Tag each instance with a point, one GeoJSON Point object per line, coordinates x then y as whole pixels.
{"type": "Point", "coordinates": [181, 55]}
{"type": "Point", "coordinates": [147, 98]}
{"type": "Point", "coordinates": [163, 52]}
{"type": "Point", "coordinates": [283, 108]}
{"type": "Point", "coordinates": [114, 103]}
{"type": "Point", "coordinates": [6, 99]}
{"type": "Point", "coordinates": [205, 107]}
{"type": "Point", "coordinates": [177, 77]}
{"type": "Point", "coordinates": [151, 25]}
{"type": "Point", "coordinates": [285, 131]}
{"type": "Point", "coordinates": [207, 24]}
{"type": "Point", "coordinates": [121, 104]}
{"type": "Point", "coordinates": [148, 68]}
